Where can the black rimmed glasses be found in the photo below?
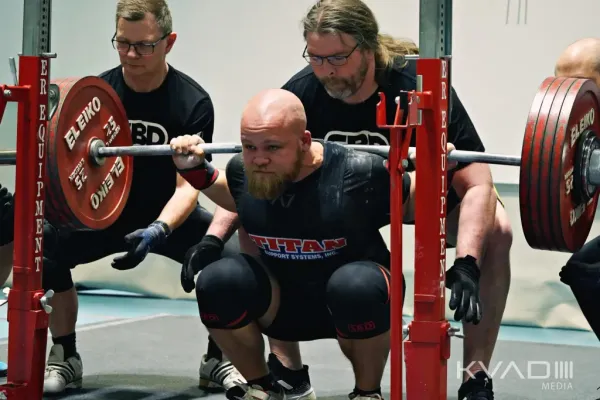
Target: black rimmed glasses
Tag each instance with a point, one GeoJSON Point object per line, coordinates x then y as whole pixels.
{"type": "Point", "coordinates": [142, 49]}
{"type": "Point", "coordinates": [333, 60]}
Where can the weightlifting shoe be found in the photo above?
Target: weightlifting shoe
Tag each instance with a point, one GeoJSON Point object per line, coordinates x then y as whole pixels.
{"type": "Point", "coordinates": [216, 375]}
{"type": "Point", "coordinates": [295, 383]}
{"type": "Point", "coordinates": [356, 396]}
{"type": "Point", "coordinates": [62, 374]}
{"type": "Point", "coordinates": [479, 387]}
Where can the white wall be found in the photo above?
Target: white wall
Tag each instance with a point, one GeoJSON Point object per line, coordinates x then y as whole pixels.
{"type": "Point", "coordinates": [236, 48]}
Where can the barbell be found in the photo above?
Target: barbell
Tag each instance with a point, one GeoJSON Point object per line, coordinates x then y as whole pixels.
{"type": "Point", "coordinates": [559, 162]}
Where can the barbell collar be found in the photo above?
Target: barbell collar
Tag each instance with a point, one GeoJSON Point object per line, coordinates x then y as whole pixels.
{"type": "Point", "coordinates": [594, 169]}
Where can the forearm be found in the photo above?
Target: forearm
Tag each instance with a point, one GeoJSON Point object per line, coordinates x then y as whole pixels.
{"type": "Point", "coordinates": [476, 221]}
{"type": "Point", "coordinates": [219, 193]}
{"type": "Point", "coordinates": [224, 224]}
{"type": "Point", "coordinates": [179, 207]}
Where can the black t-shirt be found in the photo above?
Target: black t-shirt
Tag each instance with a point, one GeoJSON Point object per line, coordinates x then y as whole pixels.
{"type": "Point", "coordinates": [179, 106]}
{"type": "Point", "coordinates": [330, 218]}
{"type": "Point", "coordinates": [333, 120]}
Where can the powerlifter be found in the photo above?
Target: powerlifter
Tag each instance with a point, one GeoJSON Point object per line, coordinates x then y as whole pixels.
{"type": "Point", "coordinates": [162, 215]}
{"type": "Point", "coordinates": [320, 266]}
{"type": "Point", "coordinates": [349, 62]}
{"type": "Point", "coordinates": [581, 273]}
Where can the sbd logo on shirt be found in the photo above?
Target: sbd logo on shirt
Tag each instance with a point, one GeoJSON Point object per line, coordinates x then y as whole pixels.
{"type": "Point", "coordinates": [298, 249]}
{"type": "Point", "coordinates": [148, 133]}
{"type": "Point", "coordinates": [361, 137]}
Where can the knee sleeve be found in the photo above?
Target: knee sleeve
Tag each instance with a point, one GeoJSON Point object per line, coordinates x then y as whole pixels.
{"type": "Point", "coordinates": [56, 277]}
{"type": "Point", "coordinates": [232, 292]}
{"type": "Point", "coordinates": [584, 281]}
{"type": "Point", "coordinates": [358, 297]}
{"type": "Point", "coordinates": [589, 253]}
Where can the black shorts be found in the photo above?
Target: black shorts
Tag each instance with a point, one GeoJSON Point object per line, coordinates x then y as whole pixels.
{"type": "Point", "coordinates": [82, 247]}
{"type": "Point", "coordinates": [302, 315]}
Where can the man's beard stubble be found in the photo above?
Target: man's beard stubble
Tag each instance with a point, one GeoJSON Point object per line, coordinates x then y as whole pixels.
{"type": "Point", "coordinates": [269, 186]}
{"type": "Point", "coordinates": [342, 88]}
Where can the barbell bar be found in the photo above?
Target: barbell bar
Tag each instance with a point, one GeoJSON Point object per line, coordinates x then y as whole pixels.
{"type": "Point", "coordinates": [98, 150]}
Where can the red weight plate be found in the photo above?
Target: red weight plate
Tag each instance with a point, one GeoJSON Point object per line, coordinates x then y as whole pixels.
{"type": "Point", "coordinates": [551, 216]}
{"type": "Point", "coordinates": [578, 114]}
{"type": "Point", "coordinates": [548, 167]}
{"type": "Point", "coordinates": [82, 195]}
{"type": "Point", "coordinates": [530, 161]}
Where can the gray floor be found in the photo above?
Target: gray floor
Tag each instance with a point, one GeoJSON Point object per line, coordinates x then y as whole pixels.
{"type": "Point", "coordinates": [158, 358]}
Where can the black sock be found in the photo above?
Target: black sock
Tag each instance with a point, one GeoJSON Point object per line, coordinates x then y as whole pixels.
{"type": "Point", "coordinates": [213, 350]}
{"type": "Point", "coordinates": [266, 383]}
{"type": "Point", "coordinates": [290, 376]}
{"type": "Point", "coordinates": [68, 344]}
{"type": "Point", "coordinates": [367, 392]}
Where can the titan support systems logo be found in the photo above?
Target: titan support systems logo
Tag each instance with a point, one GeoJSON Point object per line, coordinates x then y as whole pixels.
{"type": "Point", "coordinates": [553, 375]}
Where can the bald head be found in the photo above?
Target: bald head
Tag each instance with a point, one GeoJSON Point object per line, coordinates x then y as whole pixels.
{"type": "Point", "coordinates": [275, 142]}
{"type": "Point", "coordinates": [276, 111]}
{"type": "Point", "coordinates": [580, 60]}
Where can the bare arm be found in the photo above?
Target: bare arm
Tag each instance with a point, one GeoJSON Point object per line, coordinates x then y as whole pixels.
{"type": "Point", "coordinates": [224, 224]}
{"type": "Point", "coordinates": [478, 209]}
{"type": "Point", "coordinates": [219, 193]}
{"type": "Point", "coordinates": [181, 204]}
{"type": "Point", "coordinates": [409, 203]}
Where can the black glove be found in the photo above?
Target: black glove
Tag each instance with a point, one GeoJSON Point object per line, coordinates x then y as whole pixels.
{"type": "Point", "coordinates": [463, 280]}
{"type": "Point", "coordinates": [7, 216]}
{"type": "Point", "coordinates": [142, 241]}
{"type": "Point", "coordinates": [197, 257]}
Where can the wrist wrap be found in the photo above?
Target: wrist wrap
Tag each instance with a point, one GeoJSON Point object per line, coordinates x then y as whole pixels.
{"type": "Point", "coordinates": [200, 177]}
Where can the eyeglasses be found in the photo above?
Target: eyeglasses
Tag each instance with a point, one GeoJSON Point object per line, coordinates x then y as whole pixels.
{"type": "Point", "coordinates": [333, 60]}
{"type": "Point", "coordinates": [142, 49]}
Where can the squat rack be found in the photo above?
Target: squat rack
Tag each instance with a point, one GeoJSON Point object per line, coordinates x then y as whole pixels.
{"type": "Point", "coordinates": [428, 346]}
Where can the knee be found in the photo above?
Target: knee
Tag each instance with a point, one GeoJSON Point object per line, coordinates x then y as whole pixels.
{"type": "Point", "coordinates": [55, 277]}
{"type": "Point", "coordinates": [499, 243]}
{"type": "Point", "coordinates": [502, 233]}
{"type": "Point", "coordinates": [582, 270]}
{"type": "Point", "coordinates": [358, 297]}
{"type": "Point", "coordinates": [50, 240]}
{"type": "Point", "coordinates": [230, 295]}
{"type": "Point", "coordinates": [589, 253]}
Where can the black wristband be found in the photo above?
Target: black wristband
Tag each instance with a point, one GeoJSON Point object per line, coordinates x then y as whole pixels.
{"type": "Point", "coordinates": [200, 177]}
{"type": "Point", "coordinates": [467, 265]}
{"type": "Point", "coordinates": [212, 239]}
{"type": "Point", "coordinates": [164, 227]}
